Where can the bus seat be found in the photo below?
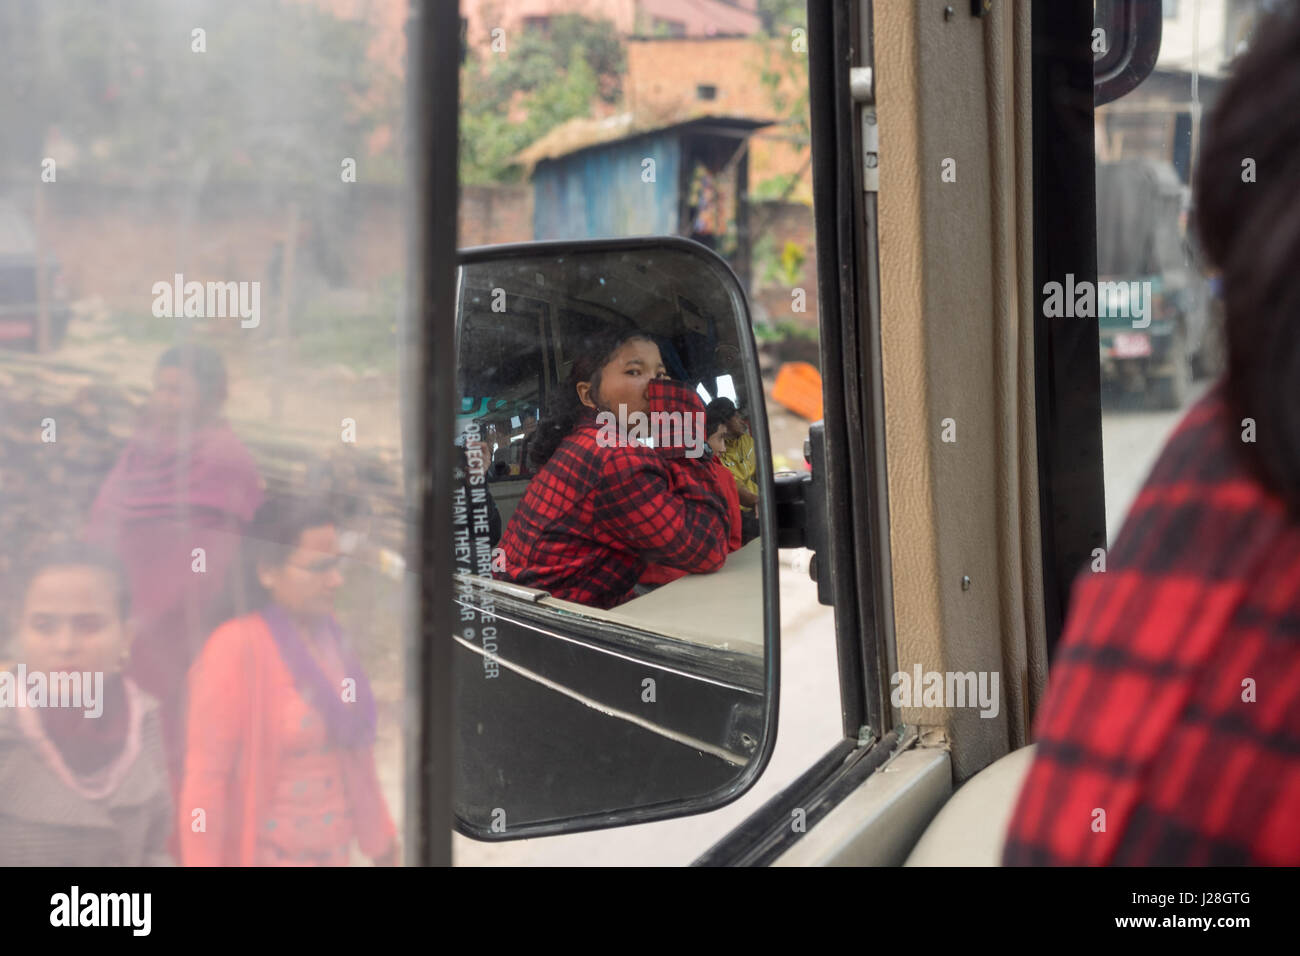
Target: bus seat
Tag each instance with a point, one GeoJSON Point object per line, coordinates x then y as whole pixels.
{"type": "Point", "coordinates": [970, 829]}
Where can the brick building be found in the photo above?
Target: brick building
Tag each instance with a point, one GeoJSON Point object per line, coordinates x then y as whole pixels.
{"type": "Point", "coordinates": [674, 80]}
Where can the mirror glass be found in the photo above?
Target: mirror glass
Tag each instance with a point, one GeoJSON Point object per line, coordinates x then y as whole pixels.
{"type": "Point", "coordinates": [615, 583]}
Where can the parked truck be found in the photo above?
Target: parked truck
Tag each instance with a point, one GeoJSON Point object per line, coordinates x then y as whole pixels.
{"type": "Point", "coordinates": [1152, 303]}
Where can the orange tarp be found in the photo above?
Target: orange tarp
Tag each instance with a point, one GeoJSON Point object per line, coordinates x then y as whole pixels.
{"type": "Point", "coordinates": [799, 388]}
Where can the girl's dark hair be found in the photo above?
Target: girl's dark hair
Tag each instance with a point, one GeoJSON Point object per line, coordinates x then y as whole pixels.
{"type": "Point", "coordinates": [72, 555]}
{"type": "Point", "coordinates": [712, 422]}
{"type": "Point", "coordinates": [271, 537]}
{"type": "Point", "coordinates": [1248, 217]}
{"type": "Point", "coordinates": [718, 412]}
{"type": "Point", "coordinates": [204, 364]}
{"type": "Point", "coordinates": [565, 409]}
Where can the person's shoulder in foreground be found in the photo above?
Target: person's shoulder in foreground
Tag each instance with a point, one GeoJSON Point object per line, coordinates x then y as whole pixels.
{"type": "Point", "coordinates": [1169, 734]}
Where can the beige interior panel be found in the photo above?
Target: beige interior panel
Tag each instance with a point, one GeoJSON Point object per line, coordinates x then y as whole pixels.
{"type": "Point", "coordinates": [971, 828]}
{"type": "Point", "coordinates": [957, 350]}
{"type": "Point", "coordinates": [881, 820]}
{"type": "Point", "coordinates": [733, 621]}
{"type": "Point", "coordinates": [716, 610]}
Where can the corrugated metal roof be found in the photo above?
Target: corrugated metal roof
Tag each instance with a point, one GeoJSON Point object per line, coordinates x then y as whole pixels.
{"type": "Point", "coordinates": [582, 133]}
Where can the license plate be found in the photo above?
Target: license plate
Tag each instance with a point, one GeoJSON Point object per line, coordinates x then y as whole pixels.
{"type": "Point", "coordinates": [1128, 345]}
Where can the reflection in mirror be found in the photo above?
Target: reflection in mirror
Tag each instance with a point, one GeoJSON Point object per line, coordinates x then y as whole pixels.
{"type": "Point", "coordinates": [606, 523]}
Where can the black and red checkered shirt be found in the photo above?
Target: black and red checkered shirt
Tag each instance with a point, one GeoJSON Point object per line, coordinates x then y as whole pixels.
{"type": "Point", "coordinates": [1170, 733]}
{"type": "Point", "coordinates": [594, 517]}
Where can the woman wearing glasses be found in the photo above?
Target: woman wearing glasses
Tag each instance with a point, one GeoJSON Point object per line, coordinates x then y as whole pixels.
{"type": "Point", "coordinates": [279, 767]}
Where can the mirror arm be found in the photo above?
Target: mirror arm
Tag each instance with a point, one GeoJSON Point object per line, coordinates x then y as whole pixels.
{"type": "Point", "coordinates": [801, 517]}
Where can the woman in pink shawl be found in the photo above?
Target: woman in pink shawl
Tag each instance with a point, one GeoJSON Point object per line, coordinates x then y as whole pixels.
{"type": "Point", "coordinates": [174, 507]}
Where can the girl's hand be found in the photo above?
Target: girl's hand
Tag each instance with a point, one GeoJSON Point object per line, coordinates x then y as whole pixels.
{"type": "Point", "coordinates": [687, 417]}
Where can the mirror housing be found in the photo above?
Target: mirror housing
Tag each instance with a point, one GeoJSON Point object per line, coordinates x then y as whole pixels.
{"type": "Point", "coordinates": [802, 518]}
{"type": "Point", "coordinates": [1133, 31]}
{"type": "Point", "coordinates": [573, 715]}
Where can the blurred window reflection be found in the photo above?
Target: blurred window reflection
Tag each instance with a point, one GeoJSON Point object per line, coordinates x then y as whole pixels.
{"type": "Point", "coordinates": [202, 242]}
{"type": "Point", "coordinates": [1159, 314]}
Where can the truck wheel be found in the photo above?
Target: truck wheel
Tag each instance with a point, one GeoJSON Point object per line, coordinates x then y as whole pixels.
{"type": "Point", "coordinates": [1170, 391]}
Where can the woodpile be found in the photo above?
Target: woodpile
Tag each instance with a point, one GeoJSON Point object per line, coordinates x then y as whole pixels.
{"type": "Point", "coordinates": [47, 487]}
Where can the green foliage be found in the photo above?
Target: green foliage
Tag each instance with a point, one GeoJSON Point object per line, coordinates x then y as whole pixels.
{"type": "Point", "coordinates": [511, 99]}
{"type": "Point", "coordinates": [784, 331]}
{"type": "Point", "coordinates": [134, 327]}
{"type": "Point", "coordinates": [774, 187]}
{"type": "Point", "coordinates": [324, 331]}
{"type": "Point", "coordinates": [360, 339]}
{"type": "Point", "coordinates": [784, 267]}
{"type": "Point", "coordinates": [282, 91]}
{"type": "Point", "coordinates": [783, 73]}
{"type": "Point", "coordinates": [779, 16]}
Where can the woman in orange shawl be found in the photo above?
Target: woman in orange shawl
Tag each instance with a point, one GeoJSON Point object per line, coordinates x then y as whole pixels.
{"type": "Point", "coordinates": [279, 762]}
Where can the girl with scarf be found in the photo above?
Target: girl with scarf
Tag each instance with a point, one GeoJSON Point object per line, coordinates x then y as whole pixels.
{"type": "Point", "coordinates": [173, 507]}
{"type": "Point", "coordinates": [279, 762]}
{"type": "Point", "coordinates": [596, 516]}
{"type": "Point", "coordinates": [83, 785]}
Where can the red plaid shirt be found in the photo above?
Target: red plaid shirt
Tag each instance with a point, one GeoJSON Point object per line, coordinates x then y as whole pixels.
{"type": "Point", "coordinates": [725, 484]}
{"type": "Point", "coordinates": [1149, 715]}
{"type": "Point", "coordinates": [594, 517]}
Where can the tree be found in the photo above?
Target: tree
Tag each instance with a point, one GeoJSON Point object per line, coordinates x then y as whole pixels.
{"type": "Point", "coordinates": [778, 16]}
{"type": "Point", "coordinates": [280, 91]}
{"type": "Point", "coordinates": [543, 78]}
{"type": "Point", "coordinates": [783, 73]}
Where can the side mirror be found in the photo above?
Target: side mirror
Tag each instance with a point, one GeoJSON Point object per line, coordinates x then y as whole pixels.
{"type": "Point", "coordinates": [616, 643]}
{"type": "Point", "coordinates": [1129, 32]}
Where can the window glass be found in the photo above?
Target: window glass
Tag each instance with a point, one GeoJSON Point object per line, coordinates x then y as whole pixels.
{"type": "Point", "coordinates": [1158, 310]}
{"type": "Point", "coordinates": [613, 123]}
{"type": "Point", "coordinates": [202, 257]}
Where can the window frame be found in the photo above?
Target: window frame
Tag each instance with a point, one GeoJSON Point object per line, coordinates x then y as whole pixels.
{"type": "Point", "coordinates": [1067, 388]}
{"type": "Point", "coordinates": [1067, 360]}
{"type": "Point", "coordinates": [1067, 383]}
{"type": "Point", "coordinates": [428, 394]}
{"type": "Point", "coordinates": [854, 465]}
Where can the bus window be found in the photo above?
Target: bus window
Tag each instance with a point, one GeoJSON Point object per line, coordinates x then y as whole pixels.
{"type": "Point", "coordinates": [202, 254]}
{"type": "Point", "coordinates": [1159, 313]}
{"type": "Point", "coordinates": [586, 124]}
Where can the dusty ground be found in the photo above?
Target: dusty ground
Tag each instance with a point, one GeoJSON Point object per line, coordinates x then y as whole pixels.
{"type": "Point", "coordinates": [312, 399]}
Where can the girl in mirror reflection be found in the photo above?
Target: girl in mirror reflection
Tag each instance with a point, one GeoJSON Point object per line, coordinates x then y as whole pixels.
{"type": "Point", "coordinates": [599, 514]}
